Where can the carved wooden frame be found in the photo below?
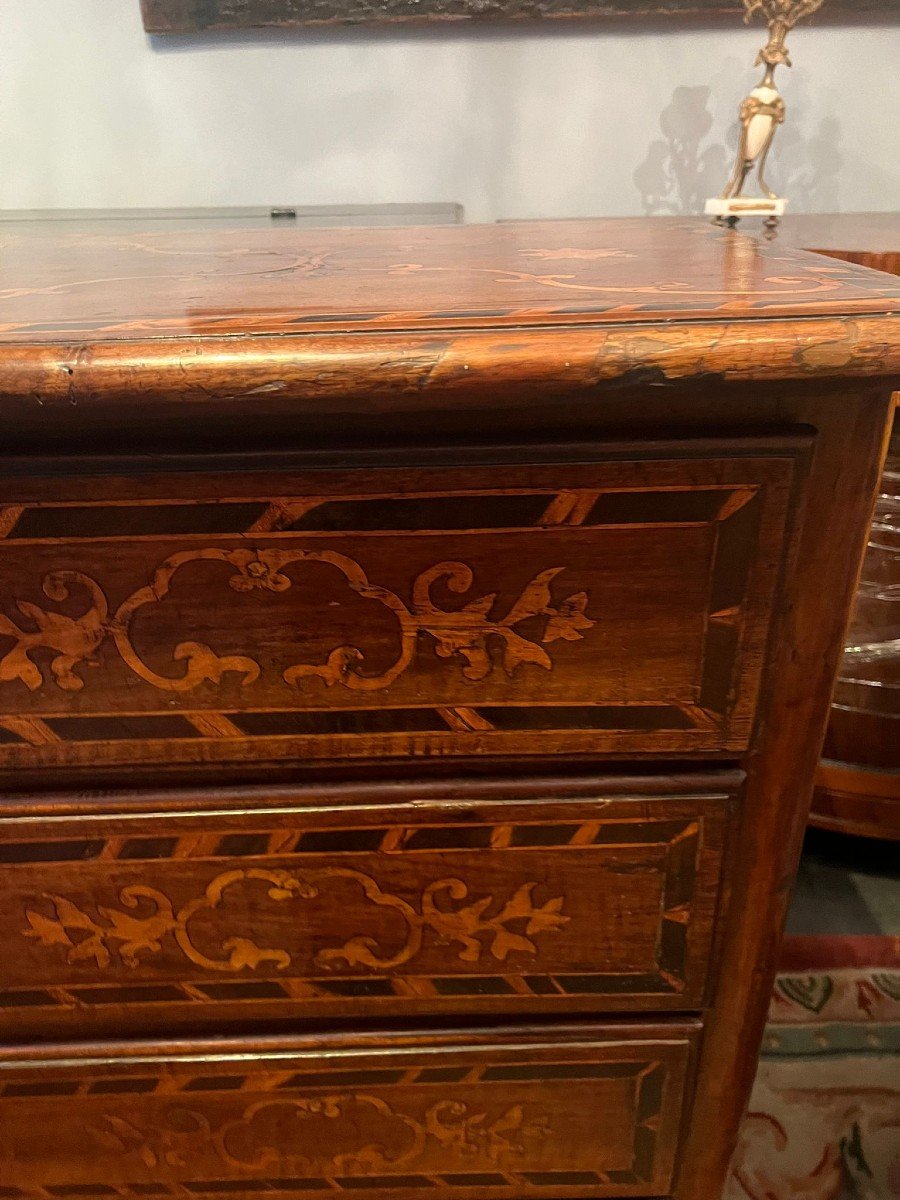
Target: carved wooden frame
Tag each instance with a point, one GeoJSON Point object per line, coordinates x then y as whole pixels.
{"type": "Point", "coordinates": [197, 16]}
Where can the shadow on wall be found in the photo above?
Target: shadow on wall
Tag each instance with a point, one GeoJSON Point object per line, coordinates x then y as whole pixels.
{"type": "Point", "coordinates": [680, 171]}
{"type": "Point", "coordinates": [685, 166]}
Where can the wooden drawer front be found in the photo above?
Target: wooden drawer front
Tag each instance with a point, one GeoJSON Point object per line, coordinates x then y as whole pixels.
{"type": "Point", "coordinates": [156, 920]}
{"type": "Point", "coordinates": [214, 618]}
{"type": "Point", "coordinates": [577, 1112]}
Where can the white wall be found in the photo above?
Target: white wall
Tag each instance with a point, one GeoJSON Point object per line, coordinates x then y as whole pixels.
{"type": "Point", "coordinates": [560, 121]}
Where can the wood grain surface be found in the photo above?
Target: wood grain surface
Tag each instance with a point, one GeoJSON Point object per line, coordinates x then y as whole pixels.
{"type": "Point", "coordinates": [850, 450]}
{"type": "Point", "coordinates": [583, 1111]}
{"type": "Point", "coordinates": [869, 239]}
{"type": "Point", "coordinates": [856, 799]}
{"type": "Point", "coordinates": [218, 618]}
{"type": "Point", "coordinates": [643, 453]}
{"type": "Point", "coordinates": [586, 895]}
{"type": "Point", "coordinates": [857, 784]}
{"type": "Point", "coordinates": [68, 281]}
{"type": "Point", "coordinates": [123, 338]}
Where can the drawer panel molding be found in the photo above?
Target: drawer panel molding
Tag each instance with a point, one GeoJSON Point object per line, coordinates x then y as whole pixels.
{"type": "Point", "coordinates": [617, 606]}
{"type": "Point", "coordinates": [597, 903]}
{"type": "Point", "coordinates": [557, 1114]}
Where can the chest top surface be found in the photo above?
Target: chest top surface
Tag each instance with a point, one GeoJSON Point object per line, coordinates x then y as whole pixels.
{"type": "Point", "coordinates": [120, 332]}
{"type": "Point", "coordinates": [105, 282]}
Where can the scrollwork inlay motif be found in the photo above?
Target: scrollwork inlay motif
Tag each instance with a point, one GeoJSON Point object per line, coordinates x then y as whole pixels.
{"type": "Point", "coordinates": [136, 931]}
{"type": "Point", "coordinates": [371, 1135]}
{"type": "Point", "coordinates": [468, 633]}
{"type": "Point", "coordinates": [147, 917]}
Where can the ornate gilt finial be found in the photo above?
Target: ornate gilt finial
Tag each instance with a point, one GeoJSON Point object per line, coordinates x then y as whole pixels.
{"type": "Point", "coordinates": [760, 114]}
{"type": "Point", "coordinates": [781, 16]}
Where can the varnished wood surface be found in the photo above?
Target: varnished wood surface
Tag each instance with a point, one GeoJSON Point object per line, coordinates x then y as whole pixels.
{"type": "Point", "coordinates": [856, 799]}
{"type": "Point", "coordinates": [67, 280]}
{"type": "Point", "coordinates": [869, 239]}
{"type": "Point", "coordinates": [840, 497]}
{"type": "Point", "coordinates": [857, 783]}
{"type": "Point", "coordinates": [124, 428]}
{"type": "Point", "coordinates": [279, 616]}
{"type": "Point", "coordinates": [111, 324]}
{"type": "Point", "coordinates": [263, 907]}
{"type": "Point", "coordinates": [578, 1111]}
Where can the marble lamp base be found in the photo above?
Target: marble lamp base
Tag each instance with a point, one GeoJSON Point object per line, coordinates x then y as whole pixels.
{"type": "Point", "coordinates": [745, 206]}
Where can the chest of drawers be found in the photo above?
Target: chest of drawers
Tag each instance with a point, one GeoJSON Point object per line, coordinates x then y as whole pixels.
{"type": "Point", "coordinates": [415, 648]}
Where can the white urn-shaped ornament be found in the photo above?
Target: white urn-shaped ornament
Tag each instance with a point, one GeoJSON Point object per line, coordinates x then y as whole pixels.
{"type": "Point", "coordinates": [761, 112]}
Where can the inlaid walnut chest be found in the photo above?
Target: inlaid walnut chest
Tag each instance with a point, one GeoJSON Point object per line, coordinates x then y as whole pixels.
{"type": "Point", "coordinates": [415, 648]}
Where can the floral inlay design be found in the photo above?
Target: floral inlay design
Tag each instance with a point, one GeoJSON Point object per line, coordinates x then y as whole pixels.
{"type": "Point", "coordinates": [777, 286]}
{"type": "Point", "coordinates": [130, 933]}
{"type": "Point", "coordinates": [468, 633]}
{"type": "Point", "coordinates": [465, 927]}
{"type": "Point", "coordinates": [302, 1134]}
{"type": "Point", "coordinates": [72, 640]}
{"type": "Point", "coordinates": [132, 930]}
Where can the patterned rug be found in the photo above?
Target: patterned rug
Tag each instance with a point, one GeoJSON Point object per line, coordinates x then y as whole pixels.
{"type": "Point", "coordinates": [824, 1117]}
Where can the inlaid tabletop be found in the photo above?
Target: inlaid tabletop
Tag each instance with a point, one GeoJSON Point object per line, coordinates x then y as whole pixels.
{"type": "Point", "coordinates": [64, 281]}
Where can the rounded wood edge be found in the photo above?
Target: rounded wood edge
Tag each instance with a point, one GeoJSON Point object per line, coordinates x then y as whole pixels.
{"type": "Point", "coordinates": [864, 802]}
{"type": "Point", "coordinates": [313, 367]}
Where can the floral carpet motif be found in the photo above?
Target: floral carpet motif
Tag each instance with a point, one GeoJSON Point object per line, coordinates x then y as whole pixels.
{"type": "Point", "coordinates": [824, 1117]}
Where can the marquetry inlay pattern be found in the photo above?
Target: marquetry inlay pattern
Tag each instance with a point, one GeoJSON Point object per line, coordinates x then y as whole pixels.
{"type": "Point", "coordinates": [412, 1126]}
{"type": "Point", "coordinates": [414, 651]}
{"type": "Point", "coordinates": [129, 629]}
{"type": "Point", "coordinates": [433, 911]}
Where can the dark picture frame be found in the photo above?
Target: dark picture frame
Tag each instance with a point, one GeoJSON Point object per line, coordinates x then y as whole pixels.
{"type": "Point", "coordinates": [198, 16]}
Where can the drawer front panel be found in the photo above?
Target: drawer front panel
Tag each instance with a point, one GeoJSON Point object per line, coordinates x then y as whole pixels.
{"type": "Point", "coordinates": [157, 920]}
{"type": "Point", "coordinates": [587, 1113]}
{"type": "Point", "coordinates": [619, 606]}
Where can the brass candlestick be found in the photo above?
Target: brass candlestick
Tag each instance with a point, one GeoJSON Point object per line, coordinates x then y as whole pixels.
{"type": "Point", "coordinates": [761, 113]}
